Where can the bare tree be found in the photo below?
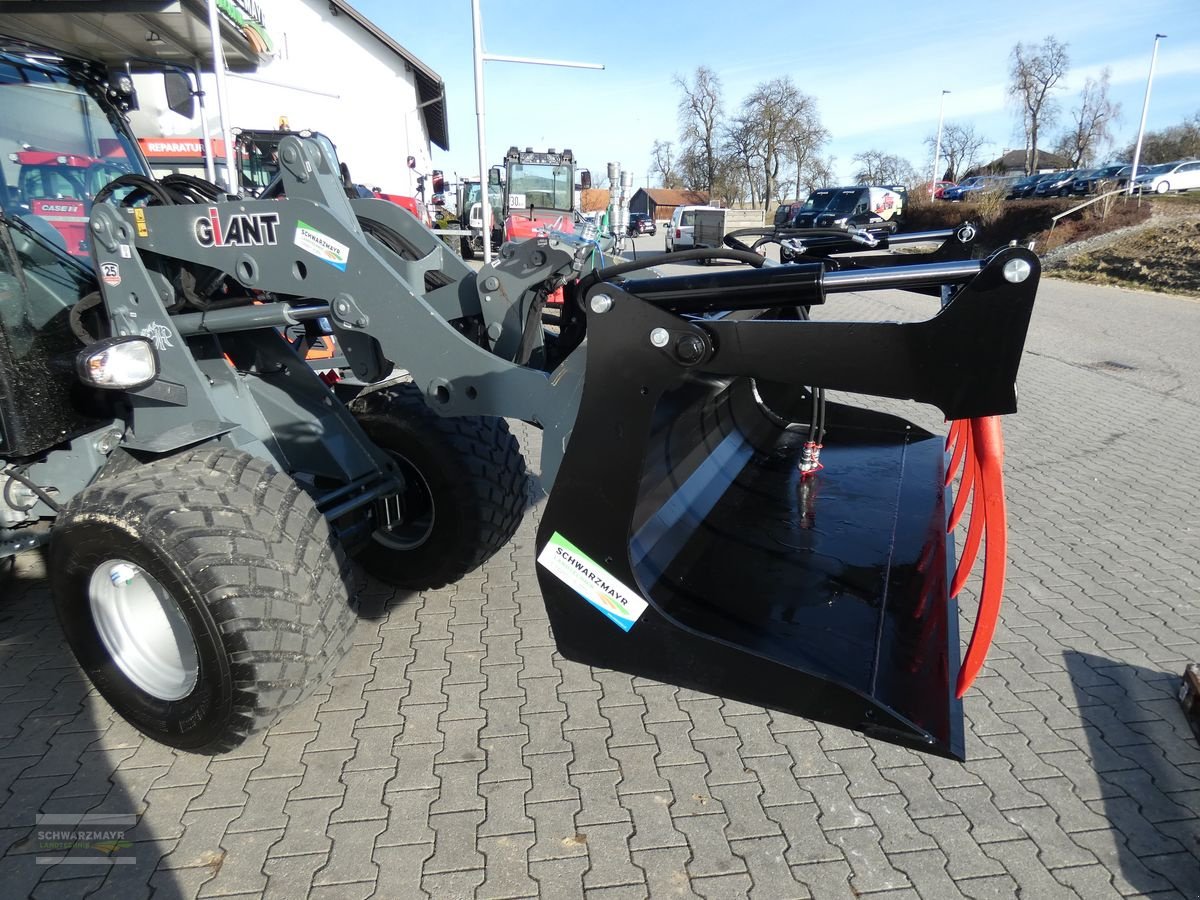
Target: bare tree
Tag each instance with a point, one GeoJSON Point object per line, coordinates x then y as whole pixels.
{"type": "Point", "coordinates": [663, 166]}
{"type": "Point", "coordinates": [742, 153]}
{"type": "Point", "coordinates": [819, 173]}
{"type": "Point", "coordinates": [1034, 72]}
{"type": "Point", "coordinates": [1091, 122]}
{"type": "Point", "coordinates": [880, 167]}
{"type": "Point", "coordinates": [700, 115]}
{"type": "Point", "coordinates": [1175, 142]}
{"type": "Point", "coordinates": [785, 126]}
{"type": "Point", "coordinates": [960, 145]}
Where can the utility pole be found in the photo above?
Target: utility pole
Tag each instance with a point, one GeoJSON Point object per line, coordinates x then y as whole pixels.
{"type": "Point", "coordinates": [1137, 153]}
{"type": "Point", "coordinates": [937, 147]}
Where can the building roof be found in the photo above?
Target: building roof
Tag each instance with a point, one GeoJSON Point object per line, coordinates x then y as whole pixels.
{"type": "Point", "coordinates": [671, 197]}
{"type": "Point", "coordinates": [431, 91]}
{"type": "Point", "coordinates": [166, 32]}
{"type": "Point", "coordinates": [1015, 159]}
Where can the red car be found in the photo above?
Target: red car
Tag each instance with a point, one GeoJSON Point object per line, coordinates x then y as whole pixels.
{"type": "Point", "coordinates": [938, 188]}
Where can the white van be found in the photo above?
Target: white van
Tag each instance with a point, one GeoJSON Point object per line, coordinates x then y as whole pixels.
{"type": "Point", "coordinates": [679, 232]}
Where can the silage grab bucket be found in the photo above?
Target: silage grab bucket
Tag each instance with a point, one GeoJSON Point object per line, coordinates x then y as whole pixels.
{"type": "Point", "coordinates": [689, 540]}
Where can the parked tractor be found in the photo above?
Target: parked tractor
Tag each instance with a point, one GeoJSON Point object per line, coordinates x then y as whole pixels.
{"type": "Point", "coordinates": [712, 519]}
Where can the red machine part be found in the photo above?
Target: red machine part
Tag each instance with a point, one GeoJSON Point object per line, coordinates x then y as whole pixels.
{"type": "Point", "coordinates": [410, 203]}
{"type": "Point", "coordinates": [979, 445]}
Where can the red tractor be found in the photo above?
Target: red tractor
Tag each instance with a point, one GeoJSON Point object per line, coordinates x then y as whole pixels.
{"type": "Point", "coordinates": [538, 193]}
{"type": "Point", "coordinates": [59, 187]}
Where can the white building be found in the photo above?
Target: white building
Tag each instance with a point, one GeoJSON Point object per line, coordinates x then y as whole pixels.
{"type": "Point", "coordinates": [332, 70]}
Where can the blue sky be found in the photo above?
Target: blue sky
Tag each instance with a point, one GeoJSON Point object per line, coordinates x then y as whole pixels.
{"type": "Point", "coordinates": [877, 70]}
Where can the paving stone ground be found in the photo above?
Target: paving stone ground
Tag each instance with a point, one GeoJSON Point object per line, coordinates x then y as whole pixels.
{"type": "Point", "coordinates": [456, 755]}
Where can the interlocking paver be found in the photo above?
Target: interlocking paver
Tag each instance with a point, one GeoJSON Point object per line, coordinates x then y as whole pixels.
{"type": "Point", "coordinates": [346, 863]}
{"type": "Point", "coordinates": [507, 867]}
{"type": "Point", "coordinates": [506, 811]}
{"type": "Point", "coordinates": [608, 852]}
{"type": "Point", "coordinates": [562, 877]}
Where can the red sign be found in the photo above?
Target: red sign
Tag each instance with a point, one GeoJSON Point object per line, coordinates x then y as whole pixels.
{"type": "Point", "coordinates": [157, 148]}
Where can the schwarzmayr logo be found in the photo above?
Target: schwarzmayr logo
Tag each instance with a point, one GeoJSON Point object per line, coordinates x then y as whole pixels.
{"type": "Point", "coordinates": [607, 593]}
{"type": "Point", "coordinates": [596, 579]}
{"type": "Point", "coordinates": [84, 839]}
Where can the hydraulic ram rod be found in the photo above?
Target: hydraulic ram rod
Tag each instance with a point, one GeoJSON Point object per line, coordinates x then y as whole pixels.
{"type": "Point", "coordinates": [800, 284]}
{"type": "Point", "coordinates": [923, 275]}
{"type": "Point", "coordinates": [244, 318]}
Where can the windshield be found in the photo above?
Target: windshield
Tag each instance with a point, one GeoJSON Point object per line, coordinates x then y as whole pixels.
{"type": "Point", "coordinates": [817, 201]}
{"type": "Point", "coordinates": [58, 148]}
{"type": "Point", "coordinates": [1156, 170]}
{"type": "Point", "coordinates": [540, 186]}
{"type": "Point", "coordinates": [845, 202]}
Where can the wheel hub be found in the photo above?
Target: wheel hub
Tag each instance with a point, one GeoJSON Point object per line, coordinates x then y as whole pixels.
{"type": "Point", "coordinates": [404, 520]}
{"type": "Point", "coordinates": [143, 629]}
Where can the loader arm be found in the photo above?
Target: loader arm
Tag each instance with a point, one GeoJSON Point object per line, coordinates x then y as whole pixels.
{"type": "Point", "coordinates": [684, 538]}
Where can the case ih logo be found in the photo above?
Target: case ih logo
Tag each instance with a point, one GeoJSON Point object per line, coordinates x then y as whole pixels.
{"type": "Point", "coordinates": [62, 207]}
{"type": "Point", "coordinates": [239, 230]}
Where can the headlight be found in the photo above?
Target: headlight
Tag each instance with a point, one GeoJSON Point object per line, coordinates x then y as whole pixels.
{"type": "Point", "coordinates": [118, 363]}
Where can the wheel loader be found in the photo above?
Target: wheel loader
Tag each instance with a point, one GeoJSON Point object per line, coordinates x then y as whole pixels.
{"type": "Point", "coordinates": [712, 517]}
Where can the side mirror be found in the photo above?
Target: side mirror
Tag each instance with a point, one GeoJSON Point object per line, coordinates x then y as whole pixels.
{"type": "Point", "coordinates": [494, 176]}
{"type": "Point", "coordinates": [439, 182]}
{"type": "Point", "coordinates": [180, 96]}
{"type": "Point", "coordinates": [585, 180]}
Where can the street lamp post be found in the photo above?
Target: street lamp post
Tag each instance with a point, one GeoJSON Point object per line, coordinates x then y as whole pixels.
{"type": "Point", "coordinates": [482, 56]}
{"type": "Point", "coordinates": [1137, 153]}
{"type": "Point", "coordinates": [937, 147]}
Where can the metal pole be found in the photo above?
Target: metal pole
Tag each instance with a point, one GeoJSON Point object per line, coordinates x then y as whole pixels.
{"type": "Point", "coordinates": [208, 147]}
{"type": "Point", "coordinates": [1137, 153]}
{"type": "Point", "coordinates": [480, 57]}
{"type": "Point", "coordinates": [937, 147]}
{"type": "Point", "coordinates": [214, 26]}
{"type": "Point", "coordinates": [485, 199]}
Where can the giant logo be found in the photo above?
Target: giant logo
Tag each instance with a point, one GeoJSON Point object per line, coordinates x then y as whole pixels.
{"type": "Point", "coordinates": [239, 230]}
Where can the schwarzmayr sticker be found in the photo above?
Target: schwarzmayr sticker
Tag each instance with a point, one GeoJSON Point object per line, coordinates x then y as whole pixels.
{"type": "Point", "coordinates": [321, 246]}
{"type": "Point", "coordinates": [586, 577]}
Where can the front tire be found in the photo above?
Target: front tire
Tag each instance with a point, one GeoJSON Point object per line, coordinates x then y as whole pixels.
{"type": "Point", "coordinates": [465, 490]}
{"type": "Point", "coordinates": [202, 594]}
{"type": "Point", "coordinates": [1163, 187]}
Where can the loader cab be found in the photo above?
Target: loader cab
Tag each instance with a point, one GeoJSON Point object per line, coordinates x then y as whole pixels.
{"type": "Point", "coordinates": [63, 137]}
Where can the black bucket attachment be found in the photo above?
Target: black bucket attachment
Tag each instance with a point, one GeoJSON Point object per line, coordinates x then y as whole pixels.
{"type": "Point", "coordinates": [690, 536]}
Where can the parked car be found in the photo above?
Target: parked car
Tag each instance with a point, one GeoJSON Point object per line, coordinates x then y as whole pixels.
{"type": "Point", "coordinates": [967, 186]}
{"type": "Point", "coordinates": [1123, 175]}
{"type": "Point", "coordinates": [641, 223]}
{"type": "Point", "coordinates": [1096, 181]}
{"type": "Point", "coordinates": [1058, 184]}
{"type": "Point", "coordinates": [938, 188]}
{"type": "Point", "coordinates": [1174, 176]}
{"type": "Point", "coordinates": [679, 232]}
{"type": "Point", "coordinates": [1023, 188]}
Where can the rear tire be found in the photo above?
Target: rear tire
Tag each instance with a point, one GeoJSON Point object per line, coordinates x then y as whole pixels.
{"type": "Point", "coordinates": [467, 248]}
{"type": "Point", "coordinates": [466, 495]}
{"type": "Point", "coordinates": [202, 594]}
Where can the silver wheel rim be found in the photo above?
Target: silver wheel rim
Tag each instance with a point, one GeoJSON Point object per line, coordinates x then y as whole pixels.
{"type": "Point", "coordinates": [143, 629]}
{"type": "Point", "coordinates": [404, 520]}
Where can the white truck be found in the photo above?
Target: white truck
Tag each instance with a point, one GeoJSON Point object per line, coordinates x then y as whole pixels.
{"type": "Point", "coordinates": [711, 225]}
